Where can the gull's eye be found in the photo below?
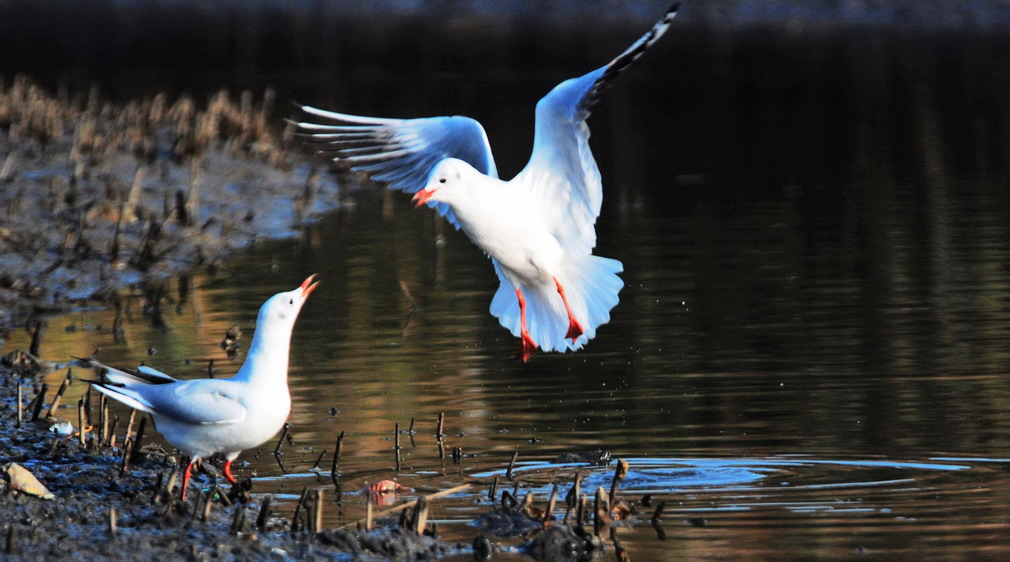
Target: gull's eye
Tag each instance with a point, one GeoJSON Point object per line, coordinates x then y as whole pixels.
{"type": "Point", "coordinates": [441, 180]}
{"type": "Point", "coordinates": [291, 301]}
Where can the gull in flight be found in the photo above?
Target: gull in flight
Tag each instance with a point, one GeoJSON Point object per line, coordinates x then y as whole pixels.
{"type": "Point", "coordinates": [227, 415]}
{"type": "Point", "coordinates": [538, 228]}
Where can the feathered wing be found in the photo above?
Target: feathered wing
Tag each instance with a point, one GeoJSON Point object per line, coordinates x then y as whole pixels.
{"type": "Point", "coordinates": [562, 172]}
{"type": "Point", "coordinates": [199, 401]}
{"type": "Point", "coordinates": [401, 152]}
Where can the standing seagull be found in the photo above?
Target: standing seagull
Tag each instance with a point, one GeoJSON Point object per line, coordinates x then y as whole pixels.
{"type": "Point", "coordinates": [538, 229]}
{"type": "Point", "coordinates": [205, 416]}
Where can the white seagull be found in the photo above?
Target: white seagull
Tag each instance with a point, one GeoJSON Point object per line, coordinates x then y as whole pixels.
{"type": "Point", "coordinates": [205, 416]}
{"type": "Point", "coordinates": [538, 228]}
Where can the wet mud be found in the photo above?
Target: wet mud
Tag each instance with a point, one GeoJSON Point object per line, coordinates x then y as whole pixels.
{"type": "Point", "coordinates": [99, 510]}
{"type": "Point", "coordinates": [96, 196]}
{"type": "Point", "coordinates": [108, 496]}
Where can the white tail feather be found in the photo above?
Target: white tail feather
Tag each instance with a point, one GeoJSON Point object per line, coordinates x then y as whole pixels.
{"type": "Point", "coordinates": [591, 285]}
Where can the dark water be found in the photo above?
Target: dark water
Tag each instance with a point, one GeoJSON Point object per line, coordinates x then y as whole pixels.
{"type": "Point", "coordinates": [810, 354]}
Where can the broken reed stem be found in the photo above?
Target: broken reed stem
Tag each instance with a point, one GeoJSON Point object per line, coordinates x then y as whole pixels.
{"type": "Point", "coordinates": [604, 499]}
{"type": "Point", "coordinates": [87, 406]}
{"type": "Point", "coordinates": [238, 521]}
{"type": "Point", "coordinates": [659, 512]}
{"type": "Point", "coordinates": [36, 404]}
{"type": "Point", "coordinates": [319, 459]}
{"type": "Point", "coordinates": [551, 503]}
{"type": "Point", "coordinates": [599, 507]}
{"type": "Point", "coordinates": [200, 496]}
{"type": "Point", "coordinates": [298, 508]}
{"type": "Point", "coordinates": [127, 452]}
{"type": "Point", "coordinates": [20, 414]}
{"type": "Point", "coordinates": [657, 523]}
{"type": "Point", "coordinates": [410, 430]}
{"type": "Point", "coordinates": [103, 415]}
{"type": "Point", "coordinates": [129, 426]}
{"type": "Point", "coordinates": [572, 498]}
{"type": "Point", "coordinates": [159, 486]}
{"type": "Point", "coordinates": [112, 520]}
{"type": "Point", "coordinates": [420, 518]}
{"type": "Point", "coordinates": [11, 538]}
{"type": "Point", "coordinates": [111, 438]}
{"type": "Point", "coordinates": [508, 499]}
{"type": "Point", "coordinates": [619, 473]}
{"type": "Point", "coordinates": [173, 480]}
{"type": "Point", "coordinates": [583, 503]}
{"type": "Point", "coordinates": [264, 515]}
{"type": "Point", "coordinates": [208, 503]}
{"type": "Point", "coordinates": [407, 505]}
{"type": "Point", "coordinates": [59, 394]}
{"type": "Point", "coordinates": [512, 464]}
{"type": "Point", "coordinates": [438, 427]}
{"type": "Point", "coordinates": [336, 457]}
{"type": "Point", "coordinates": [284, 433]}
{"type": "Point", "coordinates": [396, 445]}
{"type": "Point", "coordinates": [492, 492]}
{"type": "Point", "coordinates": [138, 442]}
{"type": "Point", "coordinates": [80, 421]}
{"type": "Point", "coordinates": [317, 520]}
{"type": "Point", "coordinates": [369, 515]}
{"type": "Point", "coordinates": [217, 491]}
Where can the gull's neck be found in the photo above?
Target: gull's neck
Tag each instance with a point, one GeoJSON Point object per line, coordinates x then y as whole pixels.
{"type": "Point", "coordinates": [267, 360]}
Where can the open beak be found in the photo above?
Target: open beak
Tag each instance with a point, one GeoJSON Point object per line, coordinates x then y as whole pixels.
{"type": "Point", "coordinates": [421, 197]}
{"type": "Point", "coordinates": [308, 285]}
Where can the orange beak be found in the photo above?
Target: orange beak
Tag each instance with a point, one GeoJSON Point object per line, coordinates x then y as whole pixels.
{"type": "Point", "coordinates": [308, 286]}
{"type": "Point", "coordinates": [421, 197]}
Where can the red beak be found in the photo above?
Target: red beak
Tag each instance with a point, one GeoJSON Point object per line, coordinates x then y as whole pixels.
{"type": "Point", "coordinates": [421, 197]}
{"type": "Point", "coordinates": [308, 286]}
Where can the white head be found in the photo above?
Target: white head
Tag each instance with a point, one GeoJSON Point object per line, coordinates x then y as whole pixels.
{"type": "Point", "coordinates": [447, 180]}
{"type": "Point", "coordinates": [278, 314]}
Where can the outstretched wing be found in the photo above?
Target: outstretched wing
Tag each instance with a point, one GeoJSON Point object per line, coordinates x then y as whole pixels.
{"type": "Point", "coordinates": [401, 152]}
{"type": "Point", "coordinates": [562, 173]}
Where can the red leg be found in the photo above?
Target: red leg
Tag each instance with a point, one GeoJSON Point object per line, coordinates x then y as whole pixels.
{"type": "Point", "coordinates": [574, 328]}
{"type": "Point", "coordinates": [528, 345]}
{"type": "Point", "coordinates": [227, 473]}
{"type": "Point", "coordinates": [185, 479]}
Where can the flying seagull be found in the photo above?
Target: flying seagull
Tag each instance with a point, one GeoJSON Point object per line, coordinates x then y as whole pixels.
{"type": "Point", "coordinates": [538, 228]}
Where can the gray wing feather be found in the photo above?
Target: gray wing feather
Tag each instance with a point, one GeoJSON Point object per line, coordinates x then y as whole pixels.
{"type": "Point", "coordinates": [562, 172]}
{"type": "Point", "coordinates": [401, 152]}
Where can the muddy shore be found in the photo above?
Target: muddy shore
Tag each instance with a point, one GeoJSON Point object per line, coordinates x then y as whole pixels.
{"type": "Point", "coordinates": [98, 510]}
{"type": "Point", "coordinates": [110, 496]}
{"type": "Point", "coordinates": [95, 196]}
